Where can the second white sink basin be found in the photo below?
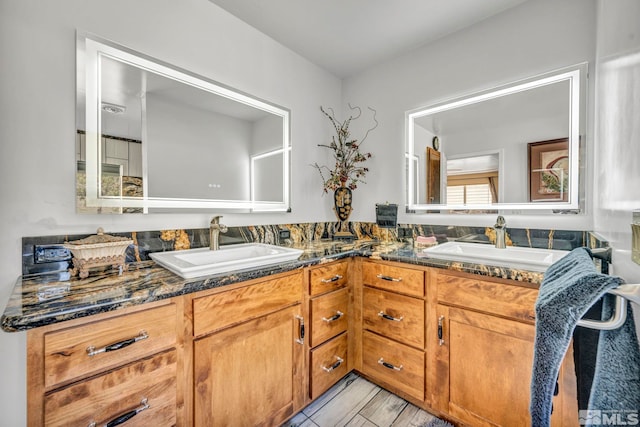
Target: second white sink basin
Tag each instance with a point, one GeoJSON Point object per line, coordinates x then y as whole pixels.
{"type": "Point", "coordinates": [203, 261]}
{"type": "Point", "coordinates": [533, 259]}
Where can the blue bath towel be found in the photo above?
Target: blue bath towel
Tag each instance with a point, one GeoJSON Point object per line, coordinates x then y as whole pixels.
{"type": "Point", "coordinates": [615, 393]}
{"type": "Point", "coordinates": [570, 287]}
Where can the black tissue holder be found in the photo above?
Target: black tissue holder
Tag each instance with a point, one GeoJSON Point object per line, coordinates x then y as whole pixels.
{"type": "Point", "coordinates": [386, 215]}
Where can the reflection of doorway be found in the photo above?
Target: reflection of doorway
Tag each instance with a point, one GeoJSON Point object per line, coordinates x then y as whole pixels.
{"type": "Point", "coordinates": [433, 176]}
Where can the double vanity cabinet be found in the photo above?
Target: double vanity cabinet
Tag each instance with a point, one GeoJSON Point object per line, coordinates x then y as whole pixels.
{"type": "Point", "coordinates": [257, 352]}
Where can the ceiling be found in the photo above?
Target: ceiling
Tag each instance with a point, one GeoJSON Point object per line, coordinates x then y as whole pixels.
{"type": "Point", "coordinates": [348, 36]}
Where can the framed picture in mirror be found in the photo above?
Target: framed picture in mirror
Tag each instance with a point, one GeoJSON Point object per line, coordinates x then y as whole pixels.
{"type": "Point", "coordinates": [548, 170]}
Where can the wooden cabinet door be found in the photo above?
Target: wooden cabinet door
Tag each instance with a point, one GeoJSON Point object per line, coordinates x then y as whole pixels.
{"type": "Point", "coordinates": [483, 368]}
{"type": "Point", "coordinates": [250, 374]}
{"type": "Point", "coordinates": [433, 176]}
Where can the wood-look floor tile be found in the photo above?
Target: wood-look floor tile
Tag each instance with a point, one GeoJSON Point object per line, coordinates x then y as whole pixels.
{"type": "Point", "coordinates": [360, 421]}
{"type": "Point", "coordinates": [383, 409]}
{"type": "Point", "coordinates": [356, 402]}
{"type": "Point", "coordinates": [330, 394]}
{"type": "Point", "coordinates": [412, 416]}
{"type": "Point", "coordinates": [297, 421]}
{"type": "Point", "coordinates": [343, 407]}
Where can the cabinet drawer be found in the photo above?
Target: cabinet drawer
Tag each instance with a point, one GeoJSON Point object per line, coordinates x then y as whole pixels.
{"type": "Point", "coordinates": [67, 351]}
{"type": "Point", "coordinates": [328, 365]}
{"type": "Point", "coordinates": [104, 398]}
{"type": "Point", "coordinates": [395, 316]}
{"type": "Point", "coordinates": [395, 364]}
{"type": "Point", "coordinates": [392, 278]}
{"type": "Point", "coordinates": [217, 311]}
{"type": "Point", "coordinates": [329, 314]}
{"type": "Point", "coordinates": [328, 278]}
{"type": "Point", "coordinates": [505, 300]}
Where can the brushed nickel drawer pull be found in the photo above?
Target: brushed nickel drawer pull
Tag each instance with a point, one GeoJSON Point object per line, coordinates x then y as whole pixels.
{"type": "Point", "coordinates": [144, 404]}
{"type": "Point", "coordinates": [300, 339]}
{"type": "Point", "coordinates": [386, 316]}
{"type": "Point", "coordinates": [333, 318]}
{"type": "Point", "coordinates": [389, 278]}
{"type": "Point", "coordinates": [334, 366]}
{"type": "Point", "coordinates": [440, 333]}
{"type": "Point", "coordinates": [333, 279]}
{"type": "Point", "coordinates": [389, 365]}
{"type": "Point", "coordinates": [92, 351]}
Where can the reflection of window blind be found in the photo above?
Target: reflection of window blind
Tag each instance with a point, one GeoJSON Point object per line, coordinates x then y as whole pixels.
{"type": "Point", "coordinates": [477, 194]}
{"type": "Point", "coordinates": [470, 189]}
{"type": "Point", "coordinates": [455, 195]}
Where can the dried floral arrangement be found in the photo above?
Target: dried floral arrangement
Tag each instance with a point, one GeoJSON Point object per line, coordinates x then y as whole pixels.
{"type": "Point", "coordinates": [348, 170]}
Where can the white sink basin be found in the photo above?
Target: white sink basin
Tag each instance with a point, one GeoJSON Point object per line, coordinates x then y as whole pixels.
{"type": "Point", "coordinates": [533, 259]}
{"type": "Point", "coordinates": [202, 261]}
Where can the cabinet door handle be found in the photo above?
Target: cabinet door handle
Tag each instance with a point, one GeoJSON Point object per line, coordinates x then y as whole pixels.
{"type": "Point", "coordinates": [144, 404]}
{"type": "Point", "coordinates": [333, 279]}
{"type": "Point", "coordinates": [334, 366]}
{"type": "Point", "coordinates": [333, 318]}
{"type": "Point", "coordinates": [389, 278]}
{"type": "Point", "coordinates": [300, 339]}
{"type": "Point", "coordinates": [92, 351]}
{"type": "Point", "coordinates": [440, 333]}
{"type": "Point", "coordinates": [389, 365]}
{"type": "Point", "coordinates": [388, 317]}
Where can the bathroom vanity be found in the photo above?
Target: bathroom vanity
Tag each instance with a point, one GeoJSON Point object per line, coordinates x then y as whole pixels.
{"type": "Point", "coordinates": [255, 347]}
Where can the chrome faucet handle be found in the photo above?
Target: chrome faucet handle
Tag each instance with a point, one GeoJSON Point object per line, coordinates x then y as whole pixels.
{"type": "Point", "coordinates": [500, 231]}
{"type": "Point", "coordinates": [216, 219]}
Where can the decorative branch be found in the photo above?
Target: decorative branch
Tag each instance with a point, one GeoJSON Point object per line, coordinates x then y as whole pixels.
{"type": "Point", "coordinates": [347, 170]}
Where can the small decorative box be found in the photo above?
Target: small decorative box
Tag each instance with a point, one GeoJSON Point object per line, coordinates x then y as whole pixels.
{"type": "Point", "coordinates": [99, 250]}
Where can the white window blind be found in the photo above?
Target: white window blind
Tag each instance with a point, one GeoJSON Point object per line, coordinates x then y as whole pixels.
{"type": "Point", "coordinates": [455, 194]}
{"type": "Point", "coordinates": [472, 194]}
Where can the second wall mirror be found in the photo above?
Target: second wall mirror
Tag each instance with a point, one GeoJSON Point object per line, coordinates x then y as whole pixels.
{"type": "Point", "coordinates": [514, 147]}
{"type": "Point", "coordinates": [153, 137]}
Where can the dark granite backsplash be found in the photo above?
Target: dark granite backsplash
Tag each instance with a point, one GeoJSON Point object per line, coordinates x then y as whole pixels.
{"type": "Point", "coordinates": [146, 242]}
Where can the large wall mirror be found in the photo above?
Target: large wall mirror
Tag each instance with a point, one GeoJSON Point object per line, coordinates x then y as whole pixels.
{"type": "Point", "coordinates": [512, 148]}
{"type": "Point", "coordinates": [152, 137]}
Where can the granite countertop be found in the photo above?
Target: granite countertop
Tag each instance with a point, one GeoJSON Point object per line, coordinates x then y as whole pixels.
{"type": "Point", "coordinates": [39, 300]}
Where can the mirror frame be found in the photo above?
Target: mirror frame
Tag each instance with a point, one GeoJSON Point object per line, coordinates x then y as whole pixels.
{"type": "Point", "coordinates": [90, 49]}
{"type": "Point", "coordinates": [575, 75]}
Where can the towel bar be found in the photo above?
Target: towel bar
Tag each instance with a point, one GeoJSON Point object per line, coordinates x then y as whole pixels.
{"type": "Point", "coordinates": [622, 293]}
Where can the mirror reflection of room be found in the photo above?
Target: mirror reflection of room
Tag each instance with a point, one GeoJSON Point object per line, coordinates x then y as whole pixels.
{"type": "Point", "coordinates": [476, 152]}
{"type": "Point", "coordinates": [168, 139]}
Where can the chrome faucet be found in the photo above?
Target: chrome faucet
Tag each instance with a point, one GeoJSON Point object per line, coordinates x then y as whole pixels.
{"type": "Point", "coordinates": [215, 228]}
{"type": "Point", "coordinates": [500, 229]}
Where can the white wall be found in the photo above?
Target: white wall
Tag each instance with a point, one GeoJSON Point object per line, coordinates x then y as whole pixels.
{"type": "Point", "coordinates": [37, 122]}
{"type": "Point", "coordinates": [617, 149]}
{"type": "Point", "coordinates": [533, 38]}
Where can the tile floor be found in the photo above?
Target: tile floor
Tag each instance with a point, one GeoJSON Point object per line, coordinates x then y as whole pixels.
{"type": "Point", "coordinates": [354, 401]}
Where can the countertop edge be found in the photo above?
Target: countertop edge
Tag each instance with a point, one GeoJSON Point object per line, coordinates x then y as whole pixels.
{"type": "Point", "coordinates": [146, 283]}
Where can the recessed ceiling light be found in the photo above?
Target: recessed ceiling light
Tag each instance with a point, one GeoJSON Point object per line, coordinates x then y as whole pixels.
{"type": "Point", "coordinates": [113, 108]}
